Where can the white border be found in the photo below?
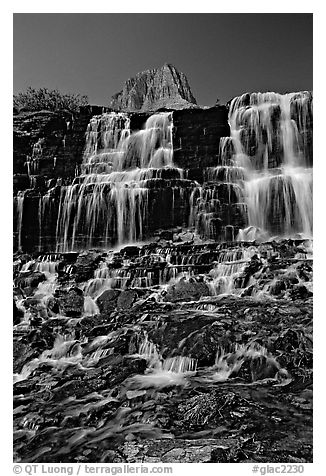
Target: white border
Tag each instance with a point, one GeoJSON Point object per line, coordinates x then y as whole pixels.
{"type": "Point", "coordinates": [168, 6]}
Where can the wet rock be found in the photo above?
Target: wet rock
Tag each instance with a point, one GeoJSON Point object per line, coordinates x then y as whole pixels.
{"type": "Point", "coordinates": [21, 182]}
{"type": "Point", "coordinates": [254, 265]}
{"type": "Point", "coordinates": [38, 309]}
{"type": "Point", "coordinates": [130, 251]}
{"type": "Point", "coordinates": [186, 291]}
{"type": "Point", "coordinates": [131, 394]}
{"type": "Point", "coordinates": [111, 457]}
{"type": "Point", "coordinates": [220, 455]}
{"type": "Point", "coordinates": [21, 388]}
{"type": "Point", "coordinates": [295, 350]}
{"type": "Point", "coordinates": [51, 328]}
{"type": "Point", "coordinates": [86, 264]}
{"type": "Point", "coordinates": [117, 368]}
{"type": "Point", "coordinates": [263, 367]}
{"type": "Point", "coordinates": [30, 280]}
{"type": "Point", "coordinates": [90, 328]}
{"type": "Point", "coordinates": [107, 301]}
{"type": "Point", "coordinates": [278, 287]}
{"type": "Point", "coordinates": [22, 353]}
{"type": "Point", "coordinates": [71, 302]}
{"type": "Point", "coordinates": [184, 237]}
{"type": "Point", "coordinates": [300, 291]}
{"type": "Point", "coordinates": [292, 339]}
{"type": "Point", "coordinates": [95, 401]}
{"type": "Point", "coordinates": [126, 299]}
{"type": "Point", "coordinates": [18, 293]}
{"type": "Point", "coordinates": [18, 314]}
{"type": "Point", "coordinates": [166, 235]}
{"type": "Point", "coordinates": [204, 344]}
{"type": "Point", "coordinates": [173, 451]}
{"type": "Point", "coordinates": [77, 388]}
{"type": "Point", "coordinates": [118, 340]}
{"type": "Point", "coordinates": [304, 271]}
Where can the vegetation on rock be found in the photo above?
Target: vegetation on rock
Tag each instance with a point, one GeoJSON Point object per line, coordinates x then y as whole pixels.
{"type": "Point", "coordinates": [49, 100]}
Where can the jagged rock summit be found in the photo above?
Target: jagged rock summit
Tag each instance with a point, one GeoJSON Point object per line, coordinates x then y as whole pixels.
{"type": "Point", "coordinates": [154, 89]}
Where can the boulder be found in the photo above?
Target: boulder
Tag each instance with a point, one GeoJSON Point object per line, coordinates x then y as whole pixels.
{"type": "Point", "coordinates": [29, 280]}
{"type": "Point", "coordinates": [86, 264]}
{"type": "Point", "coordinates": [130, 251]}
{"type": "Point", "coordinates": [300, 291]}
{"type": "Point", "coordinates": [126, 299]}
{"type": "Point", "coordinates": [107, 301]}
{"type": "Point", "coordinates": [186, 291]}
{"type": "Point", "coordinates": [71, 302]}
{"type": "Point", "coordinates": [18, 314]}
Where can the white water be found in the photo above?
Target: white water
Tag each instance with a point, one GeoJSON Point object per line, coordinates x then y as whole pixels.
{"type": "Point", "coordinates": [267, 144]}
{"type": "Point", "coordinates": [262, 186]}
{"type": "Point", "coordinates": [66, 351]}
{"type": "Point", "coordinates": [265, 174]}
{"type": "Point", "coordinates": [230, 265]}
{"type": "Point", "coordinates": [20, 209]}
{"type": "Point", "coordinates": [111, 198]}
{"type": "Point", "coordinates": [90, 307]}
{"type": "Point", "coordinates": [161, 372]}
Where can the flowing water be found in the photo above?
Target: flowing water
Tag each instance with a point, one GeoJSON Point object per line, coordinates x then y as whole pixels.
{"type": "Point", "coordinates": [261, 186]}
{"type": "Point", "coordinates": [19, 202]}
{"type": "Point", "coordinates": [150, 369]}
{"type": "Point", "coordinates": [110, 199]}
{"type": "Point", "coordinates": [267, 143]}
{"type": "Point", "coordinates": [265, 172]}
{"type": "Point", "coordinates": [139, 340]}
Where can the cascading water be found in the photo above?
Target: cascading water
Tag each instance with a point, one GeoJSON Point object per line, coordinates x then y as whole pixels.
{"type": "Point", "coordinates": [268, 133]}
{"type": "Point", "coordinates": [130, 355]}
{"type": "Point", "coordinates": [110, 199]}
{"type": "Point", "coordinates": [105, 136]}
{"type": "Point", "coordinates": [181, 338]}
{"type": "Point", "coordinates": [229, 267]}
{"type": "Point", "coordinates": [20, 209]}
{"type": "Point", "coordinates": [263, 185]}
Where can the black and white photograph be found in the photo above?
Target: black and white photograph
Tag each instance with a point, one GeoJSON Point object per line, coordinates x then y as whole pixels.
{"type": "Point", "coordinates": [162, 241]}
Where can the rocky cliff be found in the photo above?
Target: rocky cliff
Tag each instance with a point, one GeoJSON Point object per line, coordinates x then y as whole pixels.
{"type": "Point", "coordinates": [175, 161]}
{"type": "Point", "coordinates": [155, 89]}
{"type": "Point", "coordinates": [48, 145]}
{"type": "Point", "coordinates": [48, 151]}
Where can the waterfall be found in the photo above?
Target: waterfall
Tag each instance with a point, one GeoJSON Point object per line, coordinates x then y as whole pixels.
{"type": "Point", "coordinates": [20, 210]}
{"type": "Point", "coordinates": [162, 372]}
{"type": "Point", "coordinates": [281, 203]}
{"type": "Point", "coordinates": [214, 204]}
{"type": "Point", "coordinates": [66, 351]}
{"type": "Point", "coordinates": [128, 186]}
{"type": "Point", "coordinates": [263, 183]}
{"type": "Point", "coordinates": [110, 199]}
{"type": "Point", "coordinates": [105, 137]}
{"type": "Point", "coordinates": [229, 267]}
{"type": "Point", "coordinates": [269, 141]}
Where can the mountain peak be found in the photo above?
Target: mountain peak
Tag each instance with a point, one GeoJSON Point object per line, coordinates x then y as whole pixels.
{"type": "Point", "coordinates": [154, 89]}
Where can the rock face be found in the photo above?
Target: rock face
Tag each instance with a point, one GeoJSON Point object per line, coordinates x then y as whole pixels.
{"type": "Point", "coordinates": [196, 138]}
{"type": "Point", "coordinates": [154, 89]}
{"type": "Point", "coordinates": [157, 128]}
{"type": "Point", "coordinates": [186, 291]}
{"type": "Point", "coordinates": [38, 187]}
{"type": "Point", "coordinates": [71, 302]}
{"type": "Point", "coordinates": [48, 144]}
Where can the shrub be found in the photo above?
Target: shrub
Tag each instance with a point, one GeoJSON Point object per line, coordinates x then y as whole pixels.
{"type": "Point", "coordinates": [49, 100]}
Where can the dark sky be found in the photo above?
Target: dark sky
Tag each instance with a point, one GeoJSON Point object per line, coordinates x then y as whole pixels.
{"type": "Point", "coordinates": [223, 55]}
